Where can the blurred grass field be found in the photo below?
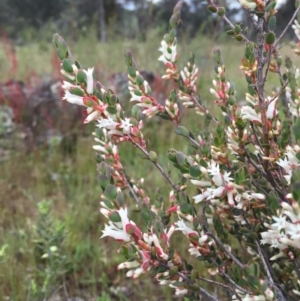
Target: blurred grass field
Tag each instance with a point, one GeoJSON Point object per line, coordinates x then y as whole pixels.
{"type": "Point", "coordinates": [86, 266]}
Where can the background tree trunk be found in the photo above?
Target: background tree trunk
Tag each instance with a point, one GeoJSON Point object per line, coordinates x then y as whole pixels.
{"type": "Point", "coordinates": [102, 21]}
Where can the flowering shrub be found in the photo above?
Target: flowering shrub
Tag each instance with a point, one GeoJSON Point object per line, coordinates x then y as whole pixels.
{"type": "Point", "coordinates": [244, 220]}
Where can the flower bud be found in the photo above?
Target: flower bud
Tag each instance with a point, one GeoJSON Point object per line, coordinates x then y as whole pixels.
{"type": "Point", "coordinates": [153, 156]}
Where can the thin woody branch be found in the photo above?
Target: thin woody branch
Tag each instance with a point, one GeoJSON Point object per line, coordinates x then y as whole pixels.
{"type": "Point", "coordinates": [162, 171]}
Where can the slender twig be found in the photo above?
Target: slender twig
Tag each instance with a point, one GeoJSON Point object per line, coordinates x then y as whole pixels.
{"type": "Point", "coordinates": [255, 134]}
{"type": "Point", "coordinates": [260, 89]}
{"type": "Point", "coordinates": [260, 170]}
{"type": "Point", "coordinates": [193, 141]}
{"type": "Point", "coordinates": [137, 199]}
{"type": "Point", "coordinates": [221, 245]}
{"type": "Point", "coordinates": [202, 109]}
{"type": "Point", "coordinates": [230, 280]}
{"type": "Point", "coordinates": [204, 225]}
{"type": "Point", "coordinates": [164, 174]}
{"type": "Point", "coordinates": [283, 86]}
{"type": "Point", "coordinates": [251, 18]}
{"type": "Point", "coordinates": [286, 28]}
{"type": "Point", "coordinates": [213, 282]}
{"type": "Point", "coordinates": [268, 272]}
{"type": "Point", "coordinates": [186, 279]}
{"type": "Point", "coordinates": [268, 61]}
{"type": "Point", "coordinates": [220, 284]}
{"type": "Point", "coordinates": [208, 296]}
{"type": "Point", "coordinates": [232, 26]}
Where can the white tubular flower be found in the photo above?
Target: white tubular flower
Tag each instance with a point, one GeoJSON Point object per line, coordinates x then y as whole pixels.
{"type": "Point", "coordinates": [181, 292]}
{"type": "Point", "coordinates": [214, 170]}
{"type": "Point", "coordinates": [251, 99]}
{"type": "Point", "coordinates": [128, 265]}
{"type": "Point", "coordinates": [89, 80]}
{"type": "Point", "coordinates": [113, 231]}
{"type": "Point", "coordinates": [271, 110]}
{"type": "Point", "coordinates": [74, 99]}
{"type": "Point", "coordinates": [119, 231]}
{"type": "Point", "coordinates": [126, 125]}
{"type": "Point", "coordinates": [186, 230]}
{"type": "Point", "coordinates": [94, 115]}
{"type": "Point", "coordinates": [201, 183]}
{"type": "Point", "coordinates": [135, 273]}
{"type": "Point", "coordinates": [250, 114]}
{"type": "Point", "coordinates": [289, 162]}
{"type": "Point", "coordinates": [108, 124]}
{"type": "Point", "coordinates": [169, 53]}
{"type": "Point", "coordinates": [66, 85]}
{"type": "Point", "coordinates": [201, 197]}
{"type": "Point", "coordinates": [100, 149]}
{"type": "Point", "coordinates": [296, 27]}
{"type": "Point", "coordinates": [159, 250]}
{"type": "Point", "coordinates": [135, 97]}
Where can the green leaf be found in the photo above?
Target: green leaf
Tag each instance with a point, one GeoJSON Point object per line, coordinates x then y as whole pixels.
{"type": "Point", "coordinates": [270, 6]}
{"type": "Point", "coordinates": [195, 171]}
{"type": "Point", "coordinates": [81, 77]}
{"type": "Point", "coordinates": [171, 153]}
{"type": "Point", "coordinates": [61, 54]}
{"type": "Point", "coordinates": [270, 38]}
{"type": "Point", "coordinates": [131, 71]}
{"type": "Point", "coordinates": [296, 129]}
{"type": "Point", "coordinates": [181, 130]}
{"type": "Point", "coordinates": [111, 110]}
{"type": "Point", "coordinates": [120, 198]}
{"type": "Point", "coordinates": [114, 217]}
{"type": "Point", "coordinates": [103, 180]}
{"type": "Point", "coordinates": [77, 91]}
{"type": "Point", "coordinates": [230, 32]}
{"type": "Point", "coordinates": [108, 204]}
{"type": "Point", "coordinates": [110, 192]}
{"type": "Point", "coordinates": [212, 9]}
{"type": "Point", "coordinates": [139, 80]}
{"type": "Point", "coordinates": [239, 38]}
{"type": "Point", "coordinates": [185, 208]}
{"type": "Point", "coordinates": [67, 65]}
{"type": "Point", "coordinates": [296, 191]}
{"type": "Point", "coordinates": [203, 163]}
{"type": "Point", "coordinates": [221, 11]}
{"type": "Point", "coordinates": [237, 29]}
{"type": "Point", "coordinates": [272, 23]}
{"type": "Point", "coordinates": [180, 157]}
{"type": "Point", "coordinates": [218, 226]}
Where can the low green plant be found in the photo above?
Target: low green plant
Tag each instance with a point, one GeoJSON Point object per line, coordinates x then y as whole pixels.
{"type": "Point", "coordinates": [51, 259]}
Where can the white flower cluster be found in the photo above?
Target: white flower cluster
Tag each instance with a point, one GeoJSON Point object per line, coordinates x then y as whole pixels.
{"type": "Point", "coordinates": [268, 295]}
{"type": "Point", "coordinates": [290, 161]}
{"type": "Point", "coordinates": [141, 94]}
{"type": "Point", "coordinates": [119, 230]}
{"type": "Point", "coordinates": [169, 52]}
{"type": "Point", "coordinates": [248, 113]}
{"type": "Point", "coordinates": [221, 87]}
{"type": "Point", "coordinates": [169, 57]}
{"type": "Point", "coordinates": [217, 186]}
{"type": "Point", "coordinates": [189, 75]}
{"type": "Point", "coordinates": [285, 231]}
